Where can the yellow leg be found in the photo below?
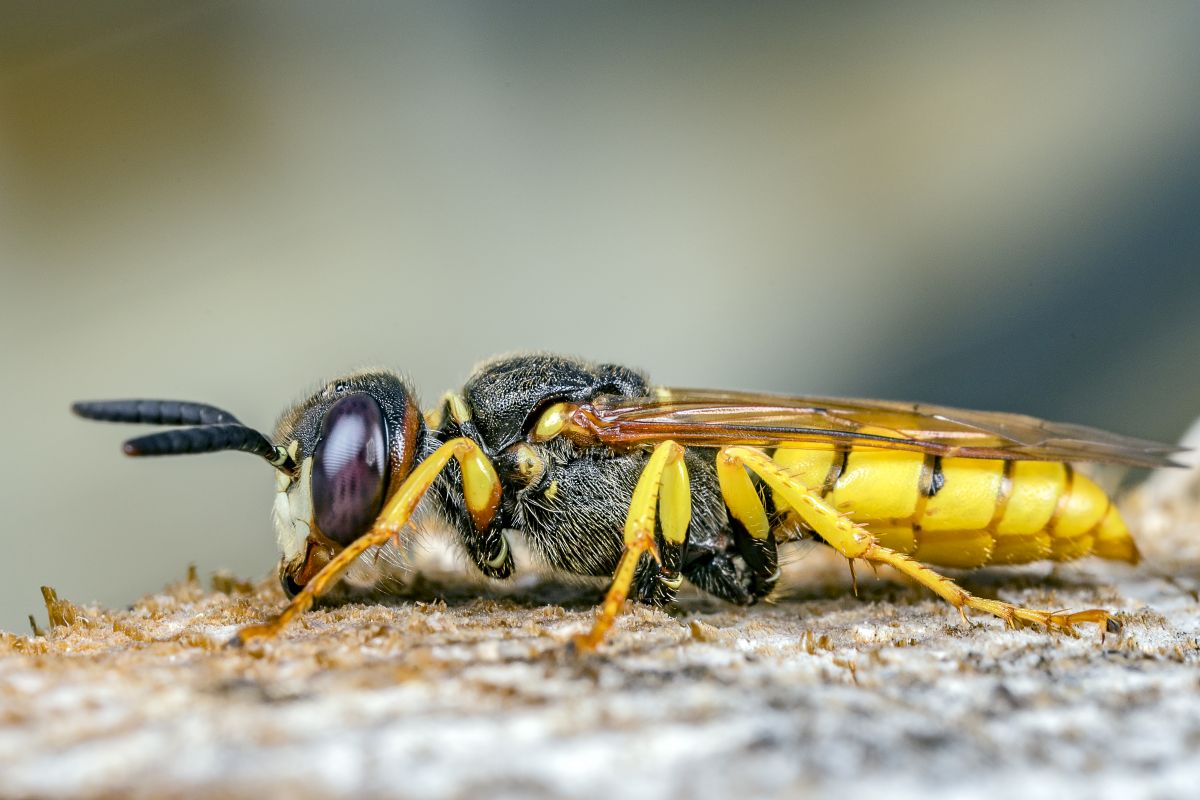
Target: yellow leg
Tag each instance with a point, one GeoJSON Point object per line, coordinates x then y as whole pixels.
{"type": "Point", "coordinates": [855, 541]}
{"type": "Point", "coordinates": [481, 488]}
{"type": "Point", "coordinates": [665, 468]}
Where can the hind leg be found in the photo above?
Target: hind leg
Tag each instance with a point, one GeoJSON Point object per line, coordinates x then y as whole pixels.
{"type": "Point", "coordinates": [854, 541]}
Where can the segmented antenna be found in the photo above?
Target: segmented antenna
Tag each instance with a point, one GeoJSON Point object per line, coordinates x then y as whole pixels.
{"type": "Point", "coordinates": [210, 430]}
{"type": "Point", "coordinates": [153, 412]}
{"type": "Point", "coordinates": [202, 439]}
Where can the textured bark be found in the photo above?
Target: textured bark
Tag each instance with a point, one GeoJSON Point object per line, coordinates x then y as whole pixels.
{"type": "Point", "coordinates": [819, 693]}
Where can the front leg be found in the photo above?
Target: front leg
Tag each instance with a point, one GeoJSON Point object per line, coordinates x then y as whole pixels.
{"type": "Point", "coordinates": [488, 549]}
{"type": "Point", "coordinates": [481, 490]}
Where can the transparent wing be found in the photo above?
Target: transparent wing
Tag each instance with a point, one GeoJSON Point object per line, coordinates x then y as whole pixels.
{"type": "Point", "coordinates": [705, 417]}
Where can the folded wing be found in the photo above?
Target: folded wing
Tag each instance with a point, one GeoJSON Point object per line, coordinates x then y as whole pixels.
{"type": "Point", "coordinates": [709, 418]}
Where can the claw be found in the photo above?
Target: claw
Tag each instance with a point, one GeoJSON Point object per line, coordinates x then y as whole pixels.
{"type": "Point", "coordinates": [261, 630]}
{"type": "Point", "coordinates": [582, 643]}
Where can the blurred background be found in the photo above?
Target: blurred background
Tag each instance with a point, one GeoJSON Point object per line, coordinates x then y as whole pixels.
{"type": "Point", "coordinates": [988, 205]}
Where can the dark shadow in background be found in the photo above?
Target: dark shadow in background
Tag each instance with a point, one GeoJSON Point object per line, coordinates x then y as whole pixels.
{"type": "Point", "coordinates": [1122, 307]}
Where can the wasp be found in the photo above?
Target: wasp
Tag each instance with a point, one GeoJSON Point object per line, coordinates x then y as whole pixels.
{"type": "Point", "coordinates": [604, 474]}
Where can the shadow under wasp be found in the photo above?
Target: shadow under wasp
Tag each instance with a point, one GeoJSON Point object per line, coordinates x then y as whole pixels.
{"type": "Point", "coordinates": [606, 475]}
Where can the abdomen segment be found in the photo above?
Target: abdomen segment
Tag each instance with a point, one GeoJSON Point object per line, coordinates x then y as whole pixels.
{"type": "Point", "coordinates": [966, 512]}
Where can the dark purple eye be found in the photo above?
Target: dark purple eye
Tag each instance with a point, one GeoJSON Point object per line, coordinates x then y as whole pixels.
{"type": "Point", "coordinates": [349, 473]}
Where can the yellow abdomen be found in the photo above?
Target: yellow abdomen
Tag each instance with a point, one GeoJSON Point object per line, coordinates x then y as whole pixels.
{"type": "Point", "coordinates": [966, 512]}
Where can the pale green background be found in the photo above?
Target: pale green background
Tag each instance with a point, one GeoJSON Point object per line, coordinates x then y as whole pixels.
{"type": "Point", "coordinates": [990, 206]}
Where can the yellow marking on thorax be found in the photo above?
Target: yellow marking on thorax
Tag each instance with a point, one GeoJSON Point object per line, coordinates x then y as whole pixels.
{"type": "Point", "coordinates": [558, 420]}
{"type": "Point", "coordinates": [458, 408]}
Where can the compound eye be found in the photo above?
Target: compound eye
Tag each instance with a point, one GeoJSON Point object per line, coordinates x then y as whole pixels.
{"type": "Point", "coordinates": [349, 473]}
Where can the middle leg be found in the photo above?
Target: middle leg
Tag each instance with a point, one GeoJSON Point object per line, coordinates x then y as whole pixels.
{"type": "Point", "coordinates": [664, 486]}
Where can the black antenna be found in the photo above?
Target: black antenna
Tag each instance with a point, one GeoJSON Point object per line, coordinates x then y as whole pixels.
{"type": "Point", "coordinates": [210, 429]}
{"type": "Point", "coordinates": [152, 412]}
